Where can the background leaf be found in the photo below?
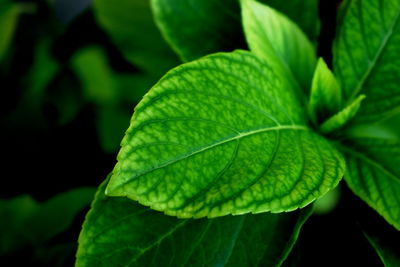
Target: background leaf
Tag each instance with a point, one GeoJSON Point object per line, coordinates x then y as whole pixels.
{"type": "Point", "coordinates": [130, 24]}
{"type": "Point", "coordinates": [270, 34]}
{"type": "Point", "coordinates": [366, 57]}
{"type": "Point", "coordinates": [9, 13]}
{"type": "Point", "coordinates": [26, 222]}
{"type": "Point", "coordinates": [200, 27]}
{"type": "Point", "coordinates": [118, 231]}
{"type": "Point", "coordinates": [223, 135]}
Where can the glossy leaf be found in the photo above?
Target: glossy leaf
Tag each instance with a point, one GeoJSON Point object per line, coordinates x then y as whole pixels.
{"type": "Point", "coordinates": [118, 231]}
{"type": "Point", "coordinates": [373, 174]}
{"type": "Point", "coordinates": [223, 135]}
{"type": "Point", "coordinates": [341, 118]}
{"type": "Point", "coordinates": [200, 27]}
{"type": "Point", "coordinates": [366, 57]}
{"type": "Point", "coordinates": [326, 96]}
{"type": "Point", "coordinates": [130, 25]}
{"type": "Point", "coordinates": [271, 34]}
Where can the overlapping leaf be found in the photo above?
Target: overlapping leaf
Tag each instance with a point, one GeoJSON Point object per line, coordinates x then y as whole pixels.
{"type": "Point", "coordinates": [197, 28]}
{"type": "Point", "coordinates": [223, 135]}
{"type": "Point", "coordinates": [366, 56]}
{"type": "Point", "coordinates": [130, 25]}
{"type": "Point", "coordinates": [271, 34]}
{"type": "Point", "coordinates": [118, 231]}
{"type": "Point", "coordinates": [373, 174]}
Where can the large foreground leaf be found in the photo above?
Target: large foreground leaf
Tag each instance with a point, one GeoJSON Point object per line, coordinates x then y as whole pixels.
{"type": "Point", "coordinates": [223, 135]}
{"type": "Point", "coordinates": [120, 232]}
{"type": "Point", "coordinates": [373, 174]}
{"type": "Point", "coordinates": [366, 56]}
{"type": "Point", "coordinates": [200, 27]}
{"type": "Point", "coordinates": [271, 34]}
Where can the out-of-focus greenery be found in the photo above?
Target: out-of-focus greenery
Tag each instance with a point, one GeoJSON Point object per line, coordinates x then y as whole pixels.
{"type": "Point", "coordinates": [71, 73]}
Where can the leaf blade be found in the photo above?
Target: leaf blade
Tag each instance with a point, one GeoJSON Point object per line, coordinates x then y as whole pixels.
{"type": "Point", "coordinates": [149, 235]}
{"type": "Point", "coordinates": [271, 34]}
{"type": "Point", "coordinates": [372, 174]}
{"type": "Point", "coordinates": [195, 132]}
{"type": "Point", "coordinates": [369, 61]}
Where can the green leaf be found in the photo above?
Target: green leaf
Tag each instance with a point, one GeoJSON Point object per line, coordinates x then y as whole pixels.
{"type": "Point", "coordinates": [118, 231]}
{"type": "Point", "coordinates": [130, 25]}
{"type": "Point", "coordinates": [271, 34]}
{"type": "Point", "coordinates": [200, 27]}
{"type": "Point", "coordinates": [326, 95]}
{"type": "Point", "coordinates": [373, 174]}
{"type": "Point", "coordinates": [388, 255]}
{"type": "Point", "coordinates": [9, 13]}
{"type": "Point", "coordinates": [341, 118]}
{"type": "Point", "coordinates": [27, 222]}
{"type": "Point", "coordinates": [307, 19]}
{"type": "Point", "coordinates": [223, 135]}
{"type": "Point", "coordinates": [366, 57]}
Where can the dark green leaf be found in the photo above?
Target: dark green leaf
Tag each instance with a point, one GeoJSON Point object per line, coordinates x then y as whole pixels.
{"type": "Point", "coordinates": [130, 24]}
{"type": "Point", "coordinates": [388, 255]}
{"type": "Point", "coordinates": [271, 34]}
{"type": "Point", "coordinates": [303, 12]}
{"type": "Point", "coordinates": [373, 174]}
{"type": "Point", "coordinates": [366, 57]}
{"type": "Point", "coordinates": [8, 21]}
{"type": "Point", "coordinates": [200, 27]}
{"type": "Point", "coordinates": [118, 231]}
{"type": "Point", "coordinates": [27, 222]}
{"type": "Point", "coordinates": [223, 135]}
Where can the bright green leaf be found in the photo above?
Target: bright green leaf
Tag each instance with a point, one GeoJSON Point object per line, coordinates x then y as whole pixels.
{"type": "Point", "coordinates": [307, 19]}
{"type": "Point", "coordinates": [373, 174]}
{"type": "Point", "coordinates": [200, 27]}
{"type": "Point", "coordinates": [366, 57]}
{"type": "Point", "coordinates": [118, 231]}
{"type": "Point", "coordinates": [271, 34]}
{"type": "Point", "coordinates": [223, 135]}
{"type": "Point", "coordinates": [341, 118]}
{"type": "Point", "coordinates": [130, 25]}
{"type": "Point", "coordinates": [326, 96]}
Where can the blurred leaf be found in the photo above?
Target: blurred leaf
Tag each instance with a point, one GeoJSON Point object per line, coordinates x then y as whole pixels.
{"type": "Point", "coordinates": [209, 26]}
{"type": "Point", "coordinates": [91, 66]}
{"type": "Point", "coordinates": [8, 22]}
{"type": "Point", "coordinates": [111, 124]}
{"type": "Point", "coordinates": [130, 25]}
{"type": "Point", "coordinates": [26, 222]}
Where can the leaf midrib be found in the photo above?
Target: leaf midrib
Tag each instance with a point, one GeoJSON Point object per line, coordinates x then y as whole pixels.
{"type": "Point", "coordinates": [239, 136]}
{"type": "Point", "coordinates": [370, 68]}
